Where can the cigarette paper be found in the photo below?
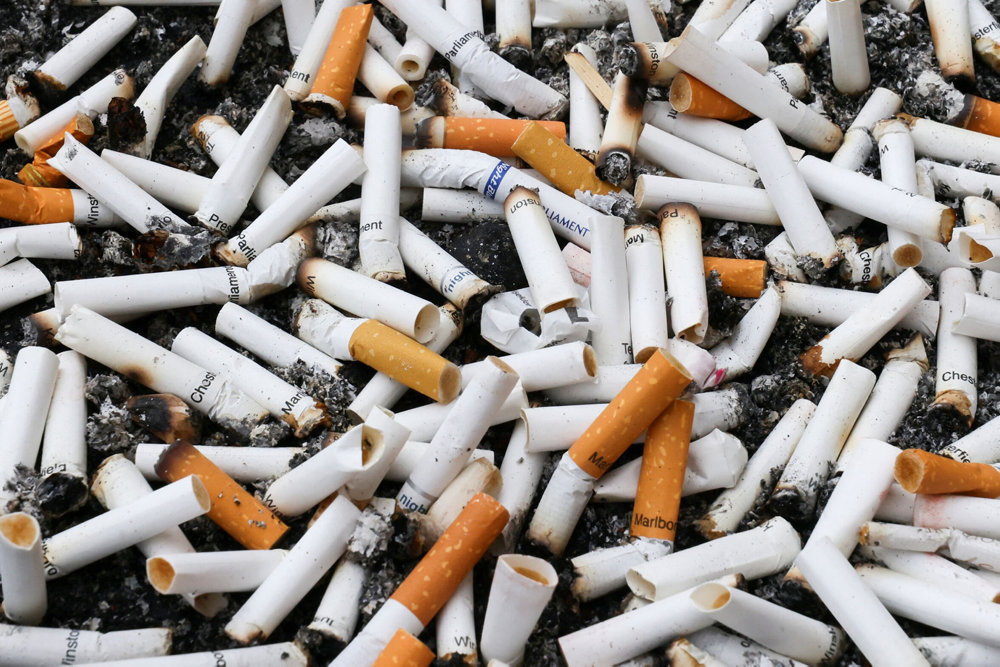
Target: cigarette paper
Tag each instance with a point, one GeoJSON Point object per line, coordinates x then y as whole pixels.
{"type": "Point", "coordinates": [414, 451]}
{"type": "Point", "coordinates": [286, 654]}
{"type": "Point", "coordinates": [971, 550]}
{"type": "Point", "coordinates": [469, 14]}
{"type": "Point", "coordinates": [608, 292]}
{"type": "Point", "coordinates": [479, 476]}
{"type": "Point", "coordinates": [523, 585]}
{"type": "Point", "coordinates": [983, 27]}
{"type": "Point", "coordinates": [945, 142]}
{"type": "Point", "coordinates": [174, 188]}
{"type": "Point", "coordinates": [38, 172]}
{"type": "Point", "coordinates": [551, 285]}
{"type": "Point", "coordinates": [713, 135]}
{"type": "Point", "coordinates": [955, 379]}
{"type": "Point", "coordinates": [300, 570]}
{"type": "Point", "coordinates": [714, 647]}
{"type": "Point", "coordinates": [124, 526]}
{"type": "Point", "coordinates": [19, 109]}
{"type": "Point", "coordinates": [760, 474]}
{"type": "Point", "coordinates": [621, 130]}
{"type": "Point", "coordinates": [51, 241]}
{"type": "Point", "coordinates": [232, 185]}
{"type": "Point", "coordinates": [521, 471]}
{"type": "Point", "coordinates": [447, 100]}
{"type": "Point", "coordinates": [918, 471]}
{"type": "Point", "coordinates": [64, 448]}
{"type": "Point", "coordinates": [585, 124]}
{"type": "Point", "coordinates": [906, 538]}
{"type": "Point", "coordinates": [22, 569]}
{"type": "Point", "coordinates": [52, 646]}
{"type": "Point", "coordinates": [546, 367]}
{"type": "Point", "coordinates": [934, 569]}
{"type": "Point", "coordinates": [425, 421]}
{"type": "Point", "coordinates": [337, 614]}
{"type": "Point", "coordinates": [956, 181]}
{"type": "Point", "coordinates": [299, 16]}
{"type": "Point", "coordinates": [493, 136]}
{"type": "Point", "coordinates": [404, 649]}
{"type": "Point", "coordinates": [307, 63]}
{"type": "Point", "coordinates": [447, 205]}
{"type": "Point", "coordinates": [457, 436]}
{"type": "Point", "coordinates": [571, 14]}
{"type": "Point", "coordinates": [689, 160]}
{"type": "Point", "coordinates": [646, 291]}
{"type": "Point", "coordinates": [603, 570]}
{"type": "Point", "coordinates": [378, 239]}
{"type": "Point", "coordinates": [566, 169]}
{"type": "Point", "coordinates": [898, 164]}
{"type": "Point", "coordinates": [736, 355]}
{"type": "Point", "coordinates": [823, 438]}
{"type": "Point", "coordinates": [231, 24]}
{"type": "Point", "coordinates": [680, 236]}
{"type": "Point", "coordinates": [513, 21]}
{"type": "Point", "coordinates": [306, 485]}
{"type": "Point", "coordinates": [216, 572]}
{"type": "Point", "coordinates": [978, 319]}
{"type": "Point", "coordinates": [432, 582]}
{"type": "Point", "coordinates": [964, 513]}
{"type": "Point", "coordinates": [848, 58]}
{"type": "Point", "coordinates": [439, 269]}
{"type": "Point", "coordinates": [950, 30]}
{"type": "Point", "coordinates": [243, 464]}
{"type": "Point", "coordinates": [26, 405]}
{"type": "Point", "coordinates": [952, 650]}
{"type": "Point", "coordinates": [758, 20]}
{"type": "Point", "coordinates": [713, 200]}
{"type": "Point", "coordinates": [455, 626]}
{"type": "Point", "coordinates": [807, 230]}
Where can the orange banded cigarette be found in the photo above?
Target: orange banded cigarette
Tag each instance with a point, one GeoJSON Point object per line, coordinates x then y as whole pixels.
{"type": "Point", "coordinates": [405, 360]}
{"type": "Point", "coordinates": [494, 136]}
{"type": "Point", "coordinates": [742, 278]}
{"type": "Point", "coordinates": [34, 206]}
{"type": "Point", "coordinates": [38, 172]}
{"type": "Point", "coordinates": [691, 96]}
{"type": "Point", "coordinates": [661, 476]}
{"type": "Point", "coordinates": [8, 124]}
{"type": "Point", "coordinates": [237, 512]}
{"type": "Point", "coordinates": [564, 167]}
{"type": "Point", "coordinates": [334, 84]}
{"type": "Point", "coordinates": [404, 650]}
{"type": "Point", "coordinates": [437, 576]}
{"type": "Point", "coordinates": [918, 471]}
{"type": "Point", "coordinates": [661, 379]}
{"type": "Point", "coordinates": [979, 115]}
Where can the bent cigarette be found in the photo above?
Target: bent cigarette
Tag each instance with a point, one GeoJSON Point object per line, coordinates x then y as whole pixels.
{"type": "Point", "coordinates": [566, 169]}
{"type": "Point", "coordinates": [493, 136]}
{"type": "Point", "coordinates": [19, 109]}
{"type": "Point", "coordinates": [404, 649]}
{"type": "Point", "coordinates": [691, 96]}
{"type": "Point", "coordinates": [544, 368]}
{"type": "Point", "coordinates": [234, 510]}
{"type": "Point", "coordinates": [603, 570]}
{"type": "Point", "coordinates": [918, 471]}
{"type": "Point", "coordinates": [455, 626]}
{"type": "Point", "coordinates": [689, 160]}
{"type": "Point", "coordinates": [22, 569]}
{"type": "Point", "coordinates": [334, 82]}
{"type": "Point", "coordinates": [50, 646]}
{"type": "Point", "coordinates": [425, 421]}
{"type": "Point", "coordinates": [522, 585]}
{"type": "Point", "coordinates": [231, 24]}
{"type": "Point", "coordinates": [684, 270]}
{"type": "Point", "coordinates": [211, 572]}
{"type": "Point", "coordinates": [38, 172]}
{"type": "Point", "coordinates": [621, 130]}
{"type": "Point", "coordinates": [52, 241]}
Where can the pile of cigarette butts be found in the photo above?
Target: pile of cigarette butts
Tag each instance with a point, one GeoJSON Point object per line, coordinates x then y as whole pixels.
{"type": "Point", "coordinates": [612, 342]}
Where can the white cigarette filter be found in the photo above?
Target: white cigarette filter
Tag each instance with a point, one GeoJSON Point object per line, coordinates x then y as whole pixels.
{"type": "Point", "coordinates": [447, 205]}
{"type": "Point", "coordinates": [284, 401]}
{"type": "Point", "coordinates": [684, 269]}
{"type": "Point", "coordinates": [551, 284]}
{"type": "Point", "coordinates": [736, 355]}
{"type": "Point", "coordinates": [934, 569]}
{"type": "Point", "coordinates": [439, 269]}
{"type": "Point", "coordinates": [212, 572]}
{"type": "Point", "coordinates": [310, 56]}
{"type": "Point", "coordinates": [51, 241]}
{"type": "Point", "coordinates": [820, 444]}
{"type": "Point", "coordinates": [848, 57]}
{"type": "Point", "coordinates": [296, 574]}
{"type": "Point", "coordinates": [799, 214]}
{"type": "Point", "coordinates": [72, 61]}
{"type": "Point", "coordinates": [22, 568]}
{"type": "Point", "coordinates": [52, 646]}
{"type": "Point", "coordinates": [955, 380]}
{"type": "Point", "coordinates": [522, 587]}
{"type": "Point", "coordinates": [859, 332]}
{"type": "Point", "coordinates": [933, 604]}
{"type": "Point", "coordinates": [272, 344]}
{"type": "Point", "coordinates": [125, 526]}
{"type": "Point", "coordinates": [646, 291]}
{"type": "Point", "coordinates": [116, 347]}
{"type": "Point", "coordinates": [976, 516]}
{"type": "Point", "coordinates": [713, 200]}
{"type": "Point", "coordinates": [366, 297]}
{"type": "Point", "coordinates": [458, 435]}
{"type": "Point", "coordinates": [378, 239]}
{"type": "Point", "coordinates": [487, 71]}
{"type": "Point", "coordinates": [779, 629]}
{"type": "Point", "coordinates": [243, 464]}
{"type": "Point", "coordinates": [759, 552]}
{"type": "Point", "coordinates": [760, 474]}
{"type": "Point", "coordinates": [26, 405]}
{"type": "Point", "coordinates": [856, 607]}
{"type": "Point", "coordinates": [306, 485]}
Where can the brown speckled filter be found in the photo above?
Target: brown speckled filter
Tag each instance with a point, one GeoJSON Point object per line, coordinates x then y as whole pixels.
{"type": "Point", "coordinates": [661, 477]}
{"type": "Point", "coordinates": [404, 650]}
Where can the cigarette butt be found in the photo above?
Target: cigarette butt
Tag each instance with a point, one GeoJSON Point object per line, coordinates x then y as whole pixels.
{"type": "Point", "coordinates": [8, 124]}
{"type": "Point", "coordinates": [32, 205]}
{"type": "Point", "coordinates": [334, 83]}
{"type": "Point", "coordinates": [661, 477]}
{"type": "Point", "coordinates": [438, 574]}
{"type": "Point", "coordinates": [564, 167]}
{"type": "Point", "coordinates": [38, 172]}
{"type": "Point", "coordinates": [166, 416]}
{"type": "Point", "coordinates": [741, 278]}
{"type": "Point", "coordinates": [237, 512]}
{"type": "Point", "coordinates": [661, 379]}
{"type": "Point", "coordinates": [918, 471]}
{"type": "Point", "coordinates": [978, 115]}
{"type": "Point", "coordinates": [404, 650]}
{"type": "Point", "coordinates": [493, 136]}
{"type": "Point", "coordinates": [691, 96]}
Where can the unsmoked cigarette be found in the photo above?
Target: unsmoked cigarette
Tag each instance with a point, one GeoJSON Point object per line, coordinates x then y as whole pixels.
{"type": "Point", "coordinates": [918, 471]}
{"type": "Point", "coordinates": [742, 278]}
{"type": "Point", "coordinates": [566, 169]}
{"type": "Point", "coordinates": [437, 576]}
{"type": "Point", "coordinates": [661, 478]}
{"type": "Point", "coordinates": [334, 83]}
{"type": "Point", "coordinates": [493, 136]}
{"type": "Point", "coordinates": [658, 382]}
{"type": "Point", "coordinates": [237, 512]}
{"type": "Point", "coordinates": [691, 96]}
{"type": "Point", "coordinates": [404, 650]}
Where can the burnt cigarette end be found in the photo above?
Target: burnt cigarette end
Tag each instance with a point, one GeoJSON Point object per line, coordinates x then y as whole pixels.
{"type": "Point", "coordinates": [426, 130]}
{"type": "Point", "coordinates": [517, 55]}
{"type": "Point", "coordinates": [813, 363]}
{"type": "Point", "coordinates": [631, 60]}
{"type": "Point", "coordinates": [956, 403]}
{"type": "Point", "coordinates": [805, 40]}
{"type": "Point", "coordinates": [791, 505]}
{"type": "Point", "coordinates": [173, 457]}
{"type": "Point", "coordinates": [59, 494]}
{"type": "Point", "coordinates": [49, 88]}
{"type": "Point", "coordinates": [45, 323]}
{"type": "Point", "coordinates": [166, 416]}
{"type": "Point", "coordinates": [614, 165]}
{"type": "Point", "coordinates": [126, 124]}
{"type": "Point", "coordinates": [439, 99]}
{"type": "Point", "coordinates": [947, 225]}
{"type": "Point", "coordinates": [962, 118]}
{"type": "Point", "coordinates": [635, 96]}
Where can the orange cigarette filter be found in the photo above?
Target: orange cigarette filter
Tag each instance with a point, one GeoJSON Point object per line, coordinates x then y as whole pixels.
{"type": "Point", "coordinates": [437, 576]}
{"type": "Point", "coordinates": [660, 380]}
{"type": "Point", "coordinates": [661, 477]}
{"type": "Point", "coordinates": [564, 167]}
{"type": "Point", "coordinates": [494, 136]}
{"type": "Point", "coordinates": [32, 205]}
{"type": "Point", "coordinates": [334, 83]}
{"type": "Point", "coordinates": [8, 124]}
{"type": "Point", "coordinates": [691, 96]}
{"type": "Point", "coordinates": [405, 360]}
{"type": "Point", "coordinates": [404, 650]}
{"type": "Point", "coordinates": [742, 278]}
{"type": "Point", "coordinates": [237, 512]}
{"type": "Point", "coordinates": [38, 172]}
{"type": "Point", "coordinates": [918, 471]}
{"type": "Point", "coordinates": [979, 115]}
